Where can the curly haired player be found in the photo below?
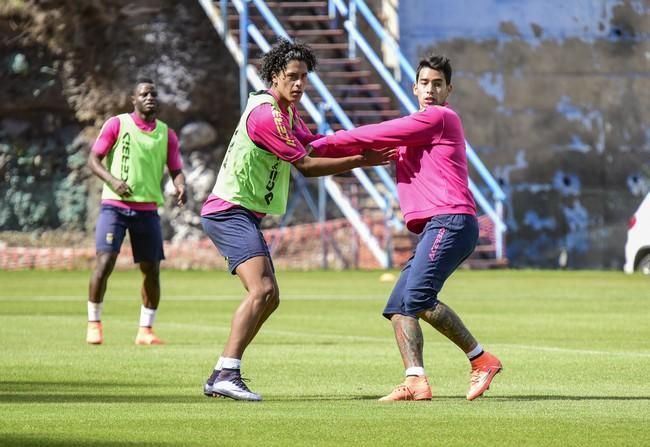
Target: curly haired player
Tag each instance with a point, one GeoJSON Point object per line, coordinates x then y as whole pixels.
{"type": "Point", "coordinates": [254, 181]}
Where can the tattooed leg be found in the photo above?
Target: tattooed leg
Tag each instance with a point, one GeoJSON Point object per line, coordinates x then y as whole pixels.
{"type": "Point", "coordinates": [410, 342]}
{"type": "Point", "coordinates": [445, 320]}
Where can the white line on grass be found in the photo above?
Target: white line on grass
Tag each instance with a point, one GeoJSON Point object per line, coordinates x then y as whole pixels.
{"type": "Point", "coordinates": [576, 351]}
{"type": "Point", "coordinates": [357, 338]}
{"type": "Point", "coordinates": [195, 298]}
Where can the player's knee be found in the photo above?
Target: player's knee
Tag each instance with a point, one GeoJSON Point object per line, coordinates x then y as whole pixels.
{"type": "Point", "coordinates": [105, 263]}
{"type": "Point", "coordinates": [266, 291]}
{"type": "Point", "coordinates": [150, 269]}
{"type": "Point", "coordinates": [274, 300]}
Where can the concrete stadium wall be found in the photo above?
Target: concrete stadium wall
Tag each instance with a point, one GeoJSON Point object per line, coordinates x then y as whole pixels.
{"type": "Point", "coordinates": [555, 98]}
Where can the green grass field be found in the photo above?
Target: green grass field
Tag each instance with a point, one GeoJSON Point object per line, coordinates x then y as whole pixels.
{"type": "Point", "coordinates": [575, 348]}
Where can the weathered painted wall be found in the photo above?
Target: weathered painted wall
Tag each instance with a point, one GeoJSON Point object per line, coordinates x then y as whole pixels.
{"type": "Point", "coordinates": [555, 98]}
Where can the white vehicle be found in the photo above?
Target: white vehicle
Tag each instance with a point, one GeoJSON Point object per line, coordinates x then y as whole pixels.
{"type": "Point", "coordinates": [637, 248]}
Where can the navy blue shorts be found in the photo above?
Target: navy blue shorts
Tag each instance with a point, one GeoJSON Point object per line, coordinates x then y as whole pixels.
{"type": "Point", "coordinates": [236, 234]}
{"type": "Point", "coordinates": [446, 241]}
{"type": "Point", "coordinates": [144, 231]}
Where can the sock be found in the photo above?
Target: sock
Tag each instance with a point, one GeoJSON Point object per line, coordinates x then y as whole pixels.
{"type": "Point", "coordinates": [475, 353]}
{"type": "Point", "coordinates": [217, 369]}
{"type": "Point", "coordinates": [147, 316]}
{"type": "Point", "coordinates": [230, 363]}
{"type": "Point", "coordinates": [95, 311]}
{"type": "Point", "coordinates": [219, 364]}
{"type": "Point", "coordinates": [414, 371]}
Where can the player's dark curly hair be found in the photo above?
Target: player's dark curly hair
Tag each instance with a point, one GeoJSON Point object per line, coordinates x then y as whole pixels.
{"type": "Point", "coordinates": [276, 60]}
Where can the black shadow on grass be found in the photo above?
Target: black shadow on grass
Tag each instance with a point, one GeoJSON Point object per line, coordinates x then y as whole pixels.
{"type": "Point", "coordinates": [44, 398]}
{"type": "Point", "coordinates": [37, 385]}
{"type": "Point", "coordinates": [527, 398]}
{"type": "Point", "coordinates": [15, 439]}
{"type": "Point", "coordinates": [543, 397]}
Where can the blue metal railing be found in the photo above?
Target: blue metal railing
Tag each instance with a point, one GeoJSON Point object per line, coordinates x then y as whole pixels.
{"type": "Point", "coordinates": [240, 54]}
{"type": "Point", "coordinates": [324, 92]}
{"type": "Point", "coordinates": [356, 39]}
{"type": "Point", "coordinates": [317, 115]}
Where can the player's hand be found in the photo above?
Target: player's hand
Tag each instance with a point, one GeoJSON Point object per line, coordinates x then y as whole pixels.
{"type": "Point", "coordinates": [120, 187]}
{"type": "Point", "coordinates": [181, 195]}
{"type": "Point", "coordinates": [376, 157]}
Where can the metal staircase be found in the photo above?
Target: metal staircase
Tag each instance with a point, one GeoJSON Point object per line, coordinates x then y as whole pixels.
{"type": "Point", "coordinates": [347, 91]}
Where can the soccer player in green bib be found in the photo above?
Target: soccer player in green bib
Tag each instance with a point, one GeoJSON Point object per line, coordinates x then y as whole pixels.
{"type": "Point", "coordinates": [136, 148]}
{"type": "Point", "coordinates": [254, 181]}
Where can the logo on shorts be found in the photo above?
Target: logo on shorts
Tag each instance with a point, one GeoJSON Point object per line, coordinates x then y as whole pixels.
{"type": "Point", "coordinates": [436, 244]}
{"type": "Point", "coordinates": [109, 238]}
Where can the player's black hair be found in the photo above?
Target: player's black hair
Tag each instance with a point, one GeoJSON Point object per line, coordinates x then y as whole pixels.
{"type": "Point", "coordinates": [142, 80]}
{"type": "Point", "coordinates": [276, 60]}
{"type": "Point", "coordinates": [435, 62]}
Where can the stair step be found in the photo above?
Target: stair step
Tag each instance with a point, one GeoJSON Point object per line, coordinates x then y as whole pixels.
{"type": "Point", "coordinates": [349, 87]}
{"type": "Point", "coordinates": [295, 18]}
{"type": "Point", "coordinates": [358, 100]}
{"type": "Point", "coordinates": [312, 18]}
{"type": "Point", "coordinates": [390, 113]}
{"type": "Point", "coordinates": [316, 32]}
{"type": "Point", "coordinates": [329, 46]}
{"type": "Point", "coordinates": [297, 4]}
{"type": "Point", "coordinates": [314, 46]}
{"type": "Point", "coordinates": [356, 74]}
{"type": "Point", "coordinates": [299, 32]}
{"type": "Point", "coordinates": [329, 61]}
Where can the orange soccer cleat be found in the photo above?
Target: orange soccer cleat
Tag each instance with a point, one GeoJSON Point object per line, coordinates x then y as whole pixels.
{"type": "Point", "coordinates": [413, 388]}
{"type": "Point", "coordinates": [147, 337]}
{"type": "Point", "coordinates": [483, 371]}
{"type": "Point", "coordinates": [94, 333]}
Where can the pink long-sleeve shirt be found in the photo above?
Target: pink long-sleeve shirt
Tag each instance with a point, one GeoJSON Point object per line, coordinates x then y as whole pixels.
{"type": "Point", "coordinates": [279, 138]}
{"type": "Point", "coordinates": [106, 140]}
{"type": "Point", "coordinates": [431, 164]}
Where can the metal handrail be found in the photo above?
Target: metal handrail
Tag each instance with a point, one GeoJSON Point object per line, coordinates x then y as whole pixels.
{"type": "Point", "coordinates": [495, 213]}
{"type": "Point", "coordinates": [410, 106]}
{"type": "Point", "coordinates": [330, 186]}
{"type": "Point", "coordinates": [317, 115]}
{"type": "Point", "coordinates": [331, 103]}
{"type": "Point", "coordinates": [398, 90]}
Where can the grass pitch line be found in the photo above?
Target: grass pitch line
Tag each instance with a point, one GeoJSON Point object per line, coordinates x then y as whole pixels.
{"type": "Point", "coordinates": [190, 298]}
{"type": "Point", "coordinates": [576, 351]}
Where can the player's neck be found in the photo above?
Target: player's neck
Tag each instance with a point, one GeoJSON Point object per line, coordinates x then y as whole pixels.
{"type": "Point", "coordinates": [148, 117]}
{"type": "Point", "coordinates": [282, 102]}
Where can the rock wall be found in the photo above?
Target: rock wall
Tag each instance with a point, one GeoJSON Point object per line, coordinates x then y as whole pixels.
{"type": "Point", "coordinates": [555, 98]}
{"type": "Point", "coordinates": [66, 66]}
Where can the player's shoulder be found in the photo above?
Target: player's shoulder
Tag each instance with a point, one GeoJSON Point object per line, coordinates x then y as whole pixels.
{"type": "Point", "coordinates": [446, 113]}
{"type": "Point", "coordinates": [112, 124]}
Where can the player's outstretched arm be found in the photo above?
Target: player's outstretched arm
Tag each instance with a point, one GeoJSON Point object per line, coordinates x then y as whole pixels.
{"type": "Point", "coordinates": [317, 167]}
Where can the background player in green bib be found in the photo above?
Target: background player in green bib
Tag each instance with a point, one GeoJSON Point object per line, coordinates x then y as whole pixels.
{"type": "Point", "coordinates": [254, 181]}
{"type": "Point", "coordinates": [136, 147]}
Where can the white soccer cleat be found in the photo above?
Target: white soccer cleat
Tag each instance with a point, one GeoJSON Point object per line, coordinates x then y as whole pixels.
{"type": "Point", "coordinates": [235, 388]}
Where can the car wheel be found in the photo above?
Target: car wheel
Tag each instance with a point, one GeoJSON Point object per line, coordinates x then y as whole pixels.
{"type": "Point", "coordinates": [644, 265]}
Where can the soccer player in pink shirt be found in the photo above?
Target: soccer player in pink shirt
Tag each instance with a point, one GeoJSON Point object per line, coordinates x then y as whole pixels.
{"type": "Point", "coordinates": [432, 183]}
{"type": "Point", "coordinates": [135, 148]}
{"type": "Point", "coordinates": [254, 181]}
